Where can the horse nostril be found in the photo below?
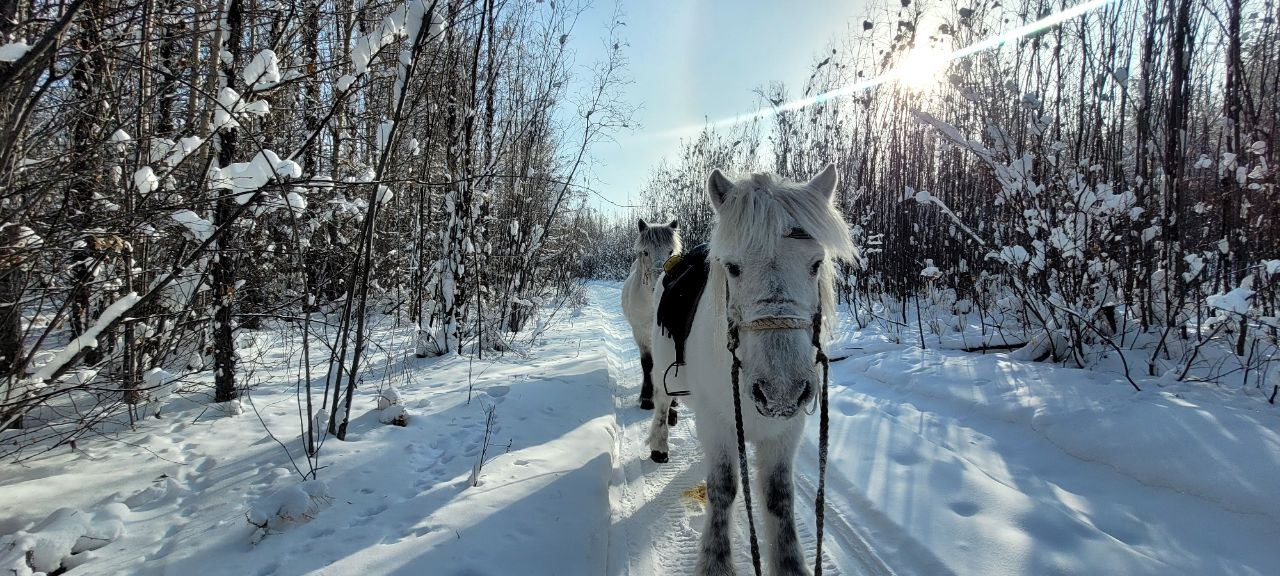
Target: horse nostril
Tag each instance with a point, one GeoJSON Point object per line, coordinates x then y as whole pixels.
{"type": "Point", "coordinates": [805, 395]}
{"type": "Point", "coordinates": [757, 392]}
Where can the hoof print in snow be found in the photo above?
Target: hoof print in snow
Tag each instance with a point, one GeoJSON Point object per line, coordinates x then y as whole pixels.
{"type": "Point", "coordinates": [659, 457]}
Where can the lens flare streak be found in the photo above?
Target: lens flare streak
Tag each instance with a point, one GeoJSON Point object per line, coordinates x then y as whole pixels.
{"type": "Point", "coordinates": [898, 74]}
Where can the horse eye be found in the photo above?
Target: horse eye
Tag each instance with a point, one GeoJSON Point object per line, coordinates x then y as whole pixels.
{"type": "Point", "coordinates": [733, 269]}
{"type": "Point", "coordinates": [813, 271]}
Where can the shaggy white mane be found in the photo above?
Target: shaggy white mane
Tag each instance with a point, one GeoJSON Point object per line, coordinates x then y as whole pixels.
{"type": "Point", "coordinates": [764, 208]}
{"type": "Point", "coordinates": [656, 237]}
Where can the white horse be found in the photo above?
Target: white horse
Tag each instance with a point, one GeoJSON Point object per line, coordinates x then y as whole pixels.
{"type": "Point", "coordinates": [770, 278]}
{"type": "Point", "coordinates": [653, 247]}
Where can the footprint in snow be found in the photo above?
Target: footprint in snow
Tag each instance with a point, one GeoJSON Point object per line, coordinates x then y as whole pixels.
{"type": "Point", "coordinates": [497, 392]}
{"type": "Point", "coordinates": [906, 457]}
{"type": "Point", "coordinates": [964, 508]}
{"type": "Point", "coordinates": [847, 407]}
{"type": "Point", "coordinates": [207, 464]}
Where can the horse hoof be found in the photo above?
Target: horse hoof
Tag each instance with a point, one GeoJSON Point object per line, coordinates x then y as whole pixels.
{"type": "Point", "coordinates": [646, 403]}
{"type": "Point", "coordinates": [659, 457]}
{"type": "Point", "coordinates": [672, 416]}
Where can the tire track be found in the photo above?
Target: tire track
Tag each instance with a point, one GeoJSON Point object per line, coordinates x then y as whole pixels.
{"type": "Point", "coordinates": [653, 531]}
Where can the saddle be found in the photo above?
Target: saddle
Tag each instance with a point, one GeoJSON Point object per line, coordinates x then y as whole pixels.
{"type": "Point", "coordinates": [682, 286]}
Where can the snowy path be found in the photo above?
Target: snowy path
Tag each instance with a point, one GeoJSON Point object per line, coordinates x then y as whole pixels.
{"type": "Point", "coordinates": [655, 526]}
{"type": "Point", "coordinates": [941, 462]}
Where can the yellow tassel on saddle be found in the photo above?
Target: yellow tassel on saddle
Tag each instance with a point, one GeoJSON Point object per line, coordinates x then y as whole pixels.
{"type": "Point", "coordinates": [671, 262]}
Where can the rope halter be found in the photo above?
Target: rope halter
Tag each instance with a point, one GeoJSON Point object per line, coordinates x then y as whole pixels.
{"type": "Point", "coordinates": [776, 323]}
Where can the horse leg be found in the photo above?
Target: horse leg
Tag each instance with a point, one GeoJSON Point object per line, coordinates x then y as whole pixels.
{"type": "Point", "coordinates": [715, 557]}
{"type": "Point", "coordinates": [660, 429]}
{"type": "Point", "coordinates": [646, 389]}
{"type": "Point", "coordinates": [774, 463]}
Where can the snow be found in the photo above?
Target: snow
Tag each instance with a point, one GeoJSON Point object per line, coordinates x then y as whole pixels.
{"type": "Point", "coordinates": [243, 178]}
{"type": "Point", "coordinates": [294, 504]}
{"type": "Point", "coordinates": [297, 202]}
{"type": "Point", "coordinates": [120, 137]}
{"type": "Point", "coordinates": [66, 532]}
{"type": "Point", "coordinates": [159, 383]}
{"type": "Point", "coordinates": [940, 462]}
{"type": "Point", "coordinates": [344, 82]}
{"type": "Point", "coordinates": [263, 71]}
{"type": "Point", "coordinates": [199, 228]}
{"type": "Point", "coordinates": [89, 339]}
{"type": "Point", "coordinates": [1236, 301]}
{"type": "Point", "coordinates": [230, 104]}
{"type": "Point", "coordinates": [146, 180]}
{"type": "Point", "coordinates": [14, 51]}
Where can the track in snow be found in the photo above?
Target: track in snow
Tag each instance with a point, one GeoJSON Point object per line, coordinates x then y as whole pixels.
{"type": "Point", "coordinates": [655, 529]}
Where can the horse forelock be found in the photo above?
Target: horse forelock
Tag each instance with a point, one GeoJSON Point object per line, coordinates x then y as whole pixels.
{"type": "Point", "coordinates": [764, 209]}
{"type": "Point", "coordinates": [656, 236]}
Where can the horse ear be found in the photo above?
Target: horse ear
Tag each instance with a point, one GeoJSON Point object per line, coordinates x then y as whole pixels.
{"type": "Point", "coordinates": [674, 224]}
{"type": "Point", "coordinates": [825, 182]}
{"type": "Point", "coordinates": [643, 226]}
{"type": "Point", "coordinates": [718, 187]}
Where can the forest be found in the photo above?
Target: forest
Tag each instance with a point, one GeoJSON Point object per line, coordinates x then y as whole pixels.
{"type": "Point", "coordinates": [331, 286]}
{"type": "Point", "coordinates": [1105, 186]}
{"type": "Point", "coordinates": [175, 173]}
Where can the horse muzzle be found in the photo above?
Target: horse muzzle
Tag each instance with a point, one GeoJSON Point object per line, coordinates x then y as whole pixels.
{"type": "Point", "coordinates": [782, 383]}
{"type": "Point", "coordinates": [774, 400]}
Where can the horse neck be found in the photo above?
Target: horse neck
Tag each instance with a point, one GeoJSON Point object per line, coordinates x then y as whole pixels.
{"type": "Point", "coordinates": [643, 268]}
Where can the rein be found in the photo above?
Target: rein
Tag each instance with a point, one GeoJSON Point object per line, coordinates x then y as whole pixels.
{"type": "Point", "coordinates": [781, 323]}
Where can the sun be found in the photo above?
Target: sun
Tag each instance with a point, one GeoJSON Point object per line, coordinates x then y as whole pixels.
{"type": "Point", "coordinates": [922, 68]}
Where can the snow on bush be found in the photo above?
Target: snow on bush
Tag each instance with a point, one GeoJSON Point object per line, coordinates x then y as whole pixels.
{"type": "Point", "coordinates": [287, 507]}
{"type": "Point", "coordinates": [13, 51]}
{"type": "Point", "coordinates": [89, 339]}
{"type": "Point", "coordinates": [392, 408]}
{"type": "Point", "coordinates": [297, 202]}
{"type": "Point", "coordinates": [263, 71]}
{"type": "Point", "coordinates": [159, 383]}
{"type": "Point", "coordinates": [388, 397]}
{"type": "Point", "coordinates": [120, 137]}
{"type": "Point", "coordinates": [230, 103]}
{"type": "Point", "coordinates": [146, 180]}
{"type": "Point", "coordinates": [199, 228]}
{"type": "Point", "coordinates": [49, 545]}
{"type": "Point", "coordinates": [395, 415]}
{"type": "Point", "coordinates": [243, 178]}
{"type": "Point", "coordinates": [1236, 301]}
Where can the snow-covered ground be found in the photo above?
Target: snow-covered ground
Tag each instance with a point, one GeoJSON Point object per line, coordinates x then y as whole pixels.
{"type": "Point", "coordinates": [941, 462]}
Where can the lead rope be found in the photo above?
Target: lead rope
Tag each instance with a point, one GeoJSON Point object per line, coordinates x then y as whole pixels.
{"type": "Point", "coordinates": [742, 438]}
{"type": "Point", "coordinates": [820, 501]}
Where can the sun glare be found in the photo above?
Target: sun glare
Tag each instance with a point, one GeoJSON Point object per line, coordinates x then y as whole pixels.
{"type": "Point", "coordinates": [923, 68]}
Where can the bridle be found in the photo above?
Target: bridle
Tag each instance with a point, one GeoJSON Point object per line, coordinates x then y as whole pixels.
{"type": "Point", "coordinates": [820, 357]}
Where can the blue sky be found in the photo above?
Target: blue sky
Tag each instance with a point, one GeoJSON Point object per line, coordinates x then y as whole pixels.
{"type": "Point", "coordinates": [697, 59]}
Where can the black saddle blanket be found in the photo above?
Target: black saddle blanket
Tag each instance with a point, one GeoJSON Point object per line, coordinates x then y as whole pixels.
{"type": "Point", "coordinates": [682, 288]}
